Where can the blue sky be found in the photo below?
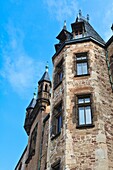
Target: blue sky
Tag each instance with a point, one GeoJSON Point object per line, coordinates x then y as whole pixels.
{"type": "Point", "coordinates": [27, 36]}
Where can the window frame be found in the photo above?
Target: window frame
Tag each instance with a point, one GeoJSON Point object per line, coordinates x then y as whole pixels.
{"type": "Point", "coordinates": [81, 61]}
{"type": "Point", "coordinates": [58, 75]}
{"type": "Point", "coordinates": [56, 124]}
{"type": "Point", "coordinates": [84, 105]}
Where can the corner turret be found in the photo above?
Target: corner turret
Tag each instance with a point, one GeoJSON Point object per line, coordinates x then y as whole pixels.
{"type": "Point", "coordinates": [44, 86]}
{"type": "Point", "coordinates": [29, 111]}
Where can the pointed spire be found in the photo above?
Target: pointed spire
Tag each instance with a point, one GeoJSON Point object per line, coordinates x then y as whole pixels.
{"type": "Point", "coordinates": [64, 27]}
{"type": "Point", "coordinates": [33, 101]}
{"type": "Point", "coordinates": [80, 13]}
{"type": "Point", "coordinates": [45, 76]}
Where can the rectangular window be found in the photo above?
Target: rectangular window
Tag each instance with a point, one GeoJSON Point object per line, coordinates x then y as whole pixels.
{"type": "Point", "coordinates": [58, 74]}
{"type": "Point", "coordinates": [84, 110]}
{"type": "Point", "coordinates": [56, 120]}
{"type": "Point", "coordinates": [59, 123]}
{"type": "Point", "coordinates": [81, 64]}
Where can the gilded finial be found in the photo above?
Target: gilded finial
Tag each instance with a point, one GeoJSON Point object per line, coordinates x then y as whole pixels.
{"type": "Point", "coordinates": [87, 17]}
{"type": "Point", "coordinates": [47, 67]}
{"type": "Point", "coordinates": [34, 94]}
{"type": "Point", "coordinates": [65, 28]}
{"type": "Point", "coordinates": [80, 13]}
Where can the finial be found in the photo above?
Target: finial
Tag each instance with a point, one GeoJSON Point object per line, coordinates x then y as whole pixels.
{"type": "Point", "coordinates": [47, 67]}
{"type": "Point", "coordinates": [34, 94]}
{"type": "Point", "coordinates": [80, 13]}
{"type": "Point", "coordinates": [87, 17]}
{"type": "Point", "coordinates": [112, 27]}
{"type": "Point", "coordinates": [64, 27]}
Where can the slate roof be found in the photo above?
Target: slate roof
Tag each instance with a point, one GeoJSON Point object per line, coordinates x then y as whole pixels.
{"type": "Point", "coordinates": [89, 30]}
{"type": "Point", "coordinates": [90, 34]}
{"type": "Point", "coordinates": [64, 33]}
{"type": "Point", "coordinates": [45, 77]}
{"type": "Point", "coordinates": [32, 104]}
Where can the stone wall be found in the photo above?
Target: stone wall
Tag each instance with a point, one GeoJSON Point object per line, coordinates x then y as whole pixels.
{"type": "Point", "coordinates": [88, 148]}
{"type": "Point", "coordinates": [21, 163]}
{"type": "Point", "coordinates": [35, 161]}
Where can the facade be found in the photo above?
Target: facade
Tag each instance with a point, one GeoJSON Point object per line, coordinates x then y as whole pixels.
{"type": "Point", "coordinates": [72, 129]}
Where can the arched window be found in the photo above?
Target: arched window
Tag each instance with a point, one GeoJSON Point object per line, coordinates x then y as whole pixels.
{"type": "Point", "coordinates": [46, 87]}
{"type": "Point", "coordinates": [41, 87]}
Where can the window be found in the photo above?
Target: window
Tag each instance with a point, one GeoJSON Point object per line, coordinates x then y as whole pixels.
{"type": "Point", "coordinates": [84, 110]}
{"type": "Point", "coordinates": [33, 142]}
{"type": "Point", "coordinates": [46, 88]}
{"type": "Point", "coordinates": [81, 64]}
{"type": "Point", "coordinates": [56, 165]}
{"type": "Point", "coordinates": [111, 66]}
{"type": "Point", "coordinates": [58, 74]}
{"type": "Point", "coordinates": [56, 121]}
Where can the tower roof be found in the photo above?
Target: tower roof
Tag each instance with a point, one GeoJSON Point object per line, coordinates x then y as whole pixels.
{"type": "Point", "coordinates": [81, 31]}
{"type": "Point", "coordinates": [89, 30]}
{"type": "Point", "coordinates": [45, 76]}
{"type": "Point", "coordinates": [32, 103]}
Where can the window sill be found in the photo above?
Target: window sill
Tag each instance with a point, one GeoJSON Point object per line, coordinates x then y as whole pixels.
{"type": "Point", "coordinates": [55, 136]}
{"type": "Point", "coordinates": [57, 85]}
{"type": "Point", "coordinates": [82, 75]}
{"type": "Point", "coordinates": [85, 126]}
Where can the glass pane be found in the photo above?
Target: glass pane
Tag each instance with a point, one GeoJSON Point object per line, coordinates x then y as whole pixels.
{"type": "Point", "coordinates": [84, 68]}
{"type": "Point", "coordinates": [80, 100]}
{"type": "Point", "coordinates": [79, 68]}
{"type": "Point", "coordinates": [60, 76]}
{"type": "Point", "coordinates": [88, 115]}
{"type": "Point", "coordinates": [87, 100]}
{"type": "Point", "coordinates": [59, 123]}
{"type": "Point", "coordinates": [81, 116]}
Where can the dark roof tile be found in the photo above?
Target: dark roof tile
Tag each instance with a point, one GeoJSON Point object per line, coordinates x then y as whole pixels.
{"type": "Point", "coordinates": [45, 77]}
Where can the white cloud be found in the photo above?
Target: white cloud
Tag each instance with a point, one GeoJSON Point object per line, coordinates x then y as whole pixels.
{"type": "Point", "coordinates": [61, 9]}
{"type": "Point", "coordinates": [19, 69]}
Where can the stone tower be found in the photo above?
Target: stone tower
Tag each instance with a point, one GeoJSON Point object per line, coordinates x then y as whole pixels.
{"type": "Point", "coordinates": [81, 120]}
{"type": "Point", "coordinates": [36, 127]}
{"type": "Point", "coordinates": [76, 132]}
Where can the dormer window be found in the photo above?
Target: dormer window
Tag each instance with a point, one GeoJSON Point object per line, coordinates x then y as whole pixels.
{"type": "Point", "coordinates": [78, 29]}
{"type": "Point", "coordinates": [56, 121]}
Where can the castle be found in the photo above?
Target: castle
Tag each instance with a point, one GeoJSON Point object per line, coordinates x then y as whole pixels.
{"type": "Point", "coordinates": [69, 122]}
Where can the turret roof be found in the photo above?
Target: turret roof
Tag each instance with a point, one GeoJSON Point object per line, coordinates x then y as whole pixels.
{"type": "Point", "coordinates": [90, 32]}
{"type": "Point", "coordinates": [32, 103]}
{"type": "Point", "coordinates": [45, 76]}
